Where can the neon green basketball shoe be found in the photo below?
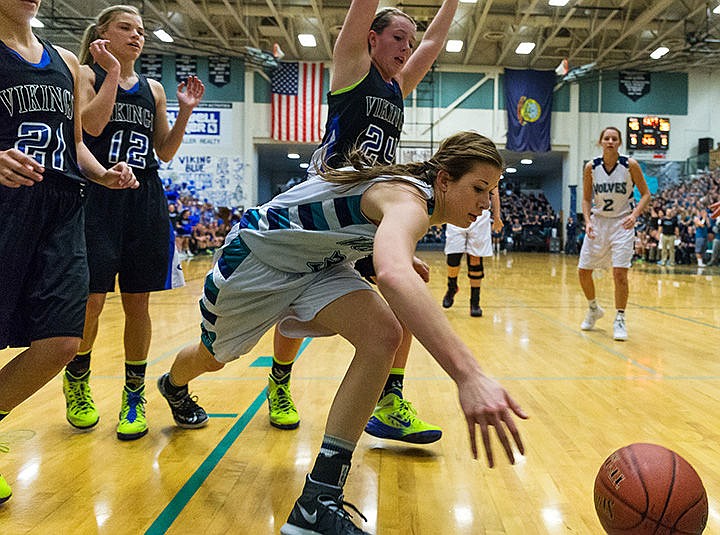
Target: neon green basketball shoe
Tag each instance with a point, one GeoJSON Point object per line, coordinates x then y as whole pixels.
{"type": "Point", "coordinates": [80, 407]}
{"type": "Point", "coordinates": [132, 424]}
{"type": "Point", "coordinates": [283, 413]}
{"type": "Point", "coordinates": [395, 418]}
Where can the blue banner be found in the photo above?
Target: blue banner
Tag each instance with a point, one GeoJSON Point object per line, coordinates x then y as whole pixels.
{"type": "Point", "coordinates": [528, 98]}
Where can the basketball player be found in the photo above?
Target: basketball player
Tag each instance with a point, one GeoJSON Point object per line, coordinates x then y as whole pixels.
{"type": "Point", "coordinates": [610, 215]}
{"type": "Point", "coordinates": [281, 265]}
{"type": "Point", "coordinates": [374, 69]}
{"type": "Point", "coordinates": [43, 165]}
{"type": "Point", "coordinates": [476, 242]}
{"type": "Point", "coordinates": [128, 232]}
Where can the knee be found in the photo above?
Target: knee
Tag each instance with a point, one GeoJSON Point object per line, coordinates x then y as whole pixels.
{"type": "Point", "coordinates": [386, 337]}
{"type": "Point", "coordinates": [213, 365]}
{"type": "Point", "coordinates": [58, 351]}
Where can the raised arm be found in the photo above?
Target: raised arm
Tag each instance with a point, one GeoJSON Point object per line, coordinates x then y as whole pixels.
{"type": "Point", "coordinates": [403, 221]}
{"type": "Point", "coordinates": [429, 48]}
{"type": "Point", "coordinates": [120, 176]}
{"type": "Point", "coordinates": [168, 140]}
{"type": "Point", "coordinates": [351, 59]}
{"type": "Point", "coordinates": [97, 107]}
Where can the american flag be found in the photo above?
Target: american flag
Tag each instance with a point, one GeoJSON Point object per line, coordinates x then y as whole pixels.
{"type": "Point", "coordinates": [296, 101]}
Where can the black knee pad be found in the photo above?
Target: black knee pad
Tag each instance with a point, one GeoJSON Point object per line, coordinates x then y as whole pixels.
{"type": "Point", "coordinates": [453, 259]}
{"type": "Point", "coordinates": [475, 271]}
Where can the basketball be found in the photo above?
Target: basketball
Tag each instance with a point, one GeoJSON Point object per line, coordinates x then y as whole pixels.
{"type": "Point", "coordinates": [646, 488]}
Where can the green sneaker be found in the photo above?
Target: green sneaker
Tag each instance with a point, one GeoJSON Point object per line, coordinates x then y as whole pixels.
{"type": "Point", "coordinates": [283, 413]}
{"type": "Point", "coordinates": [132, 424]}
{"type": "Point", "coordinates": [5, 490]}
{"type": "Point", "coordinates": [80, 407]}
{"type": "Point", "coordinates": [395, 418]}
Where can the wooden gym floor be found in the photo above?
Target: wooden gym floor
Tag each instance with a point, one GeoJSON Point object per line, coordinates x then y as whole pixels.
{"type": "Point", "coordinates": [587, 396]}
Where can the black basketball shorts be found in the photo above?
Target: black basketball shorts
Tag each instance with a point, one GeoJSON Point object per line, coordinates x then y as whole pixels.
{"type": "Point", "coordinates": [44, 281]}
{"type": "Point", "coordinates": [129, 236]}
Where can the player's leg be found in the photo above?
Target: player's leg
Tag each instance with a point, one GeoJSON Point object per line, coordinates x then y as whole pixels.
{"type": "Point", "coordinates": [80, 409]}
{"type": "Point", "coordinates": [132, 422]}
{"type": "Point", "coordinates": [29, 371]}
{"type": "Point", "coordinates": [321, 503]}
{"type": "Point", "coordinates": [282, 411]}
{"type": "Point", "coordinates": [453, 269]}
{"type": "Point", "coordinates": [190, 362]}
{"type": "Point", "coordinates": [620, 278]}
{"type": "Point", "coordinates": [394, 417]}
{"type": "Point", "coordinates": [476, 274]}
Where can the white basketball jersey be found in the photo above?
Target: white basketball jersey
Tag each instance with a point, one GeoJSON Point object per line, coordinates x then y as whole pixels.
{"type": "Point", "coordinates": [313, 226]}
{"type": "Point", "coordinates": [613, 190]}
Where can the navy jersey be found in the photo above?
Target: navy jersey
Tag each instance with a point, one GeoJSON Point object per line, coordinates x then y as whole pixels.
{"type": "Point", "coordinates": [368, 116]}
{"type": "Point", "coordinates": [37, 110]}
{"type": "Point", "coordinates": [128, 136]}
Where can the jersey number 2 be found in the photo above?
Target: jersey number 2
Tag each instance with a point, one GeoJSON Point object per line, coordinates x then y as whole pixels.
{"type": "Point", "coordinates": [138, 145]}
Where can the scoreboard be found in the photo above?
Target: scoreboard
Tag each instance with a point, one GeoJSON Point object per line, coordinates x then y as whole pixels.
{"type": "Point", "coordinates": [648, 133]}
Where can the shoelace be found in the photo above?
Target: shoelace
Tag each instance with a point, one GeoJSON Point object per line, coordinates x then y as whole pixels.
{"type": "Point", "coordinates": [186, 403]}
{"type": "Point", "coordinates": [79, 391]}
{"type": "Point", "coordinates": [620, 322]}
{"type": "Point", "coordinates": [405, 408]}
{"type": "Point", "coordinates": [284, 402]}
{"type": "Point", "coordinates": [134, 399]}
{"type": "Point", "coordinates": [337, 506]}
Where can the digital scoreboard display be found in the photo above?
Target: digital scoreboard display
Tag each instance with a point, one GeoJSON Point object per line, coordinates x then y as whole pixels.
{"type": "Point", "coordinates": [648, 133]}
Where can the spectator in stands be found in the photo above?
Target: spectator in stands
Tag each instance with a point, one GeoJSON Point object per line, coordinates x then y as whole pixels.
{"type": "Point", "coordinates": [669, 231]}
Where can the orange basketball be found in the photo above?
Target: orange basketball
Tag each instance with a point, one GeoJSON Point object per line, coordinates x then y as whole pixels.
{"type": "Point", "coordinates": [647, 489]}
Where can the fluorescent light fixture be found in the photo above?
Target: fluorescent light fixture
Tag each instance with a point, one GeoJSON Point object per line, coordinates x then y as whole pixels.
{"type": "Point", "coordinates": [163, 36]}
{"type": "Point", "coordinates": [36, 23]}
{"type": "Point", "coordinates": [557, 3]}
{"type": "Point", "coordinates": [510, 170]}
{"type": "Point", "coordinates": [307, 40]}
{"type": "Point", "coordinates": [717, 10]}
{"type": "Point", "coordinates": [293, 155]}
{"type": "Point", "coordinates": [468, 1]}
{"type": "Point", "coordinates": [304, 165]}
{"type": "Point", "coordinates": [659, 52]}
{"type": "Point", "coordinates": [526, 161]}
{"type": "Point", "coordinates": [454, 45]}
{"type": "Point", "coordinates": [525, 48]}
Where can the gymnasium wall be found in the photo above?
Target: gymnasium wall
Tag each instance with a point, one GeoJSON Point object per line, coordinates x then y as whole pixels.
{"type": "Point", "coordinates": [452, 99]}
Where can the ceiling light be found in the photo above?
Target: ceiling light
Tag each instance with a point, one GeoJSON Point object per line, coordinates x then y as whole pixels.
{"type": "Point", "coordinates": [307, 40]}
{"type": "Point", "coordinates": [557, 3]}
{"type": "Point", "coordinates": [524, 48]}
{"type": "Point", "coordinates": [468, 1]}
{"type": "Point", "coordinates": [717, 10]}
{"type": "Point", "coordinates": [659, 52]}
{"type": "Point", "coordinates": [510, 170]}
{"type": "Point", "coordinates": [163, 36]}
{"type": "Point", "coordinates": [454, 45]}
{"type": "Point", "coordinates": [36, 23]}
{"type": "Point", "coordinates": [526, 161]}
{"type": "Point", "coordinates": [293, 155]}
{"type": "Point", "coordinates": [304, 165]}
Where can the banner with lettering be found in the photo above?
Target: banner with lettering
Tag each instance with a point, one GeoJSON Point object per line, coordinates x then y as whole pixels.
{"type": "Point", "coordinates": [634, 85]}
{"type": "Point", "coordinates": [528, 98]}
{"type": "Point", "coordinates": [219, 70]}
{"type": "Point", "coordinates": [151, 66]}
{"type": "Point", "coordinates": [185, 66]}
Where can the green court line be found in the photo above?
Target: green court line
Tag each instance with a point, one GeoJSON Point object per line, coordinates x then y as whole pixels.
{"type": "Point", "coordinates": [173, 509]}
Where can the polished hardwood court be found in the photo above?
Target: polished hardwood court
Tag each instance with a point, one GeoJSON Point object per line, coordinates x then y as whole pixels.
{"type": "Point", "coordinates": [586, 394]}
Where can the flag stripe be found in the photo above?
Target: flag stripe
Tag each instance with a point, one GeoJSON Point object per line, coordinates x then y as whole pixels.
{"type": "Point", "coordinates": [296, 102]}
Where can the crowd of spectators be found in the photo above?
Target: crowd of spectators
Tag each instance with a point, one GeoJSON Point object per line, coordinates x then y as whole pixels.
{"type": "Point", "coordinates": [530, 223]}
{"type": "Point", "coordinates": [681, 213]}
{"type": "Point", "coordinates": [200, 227]}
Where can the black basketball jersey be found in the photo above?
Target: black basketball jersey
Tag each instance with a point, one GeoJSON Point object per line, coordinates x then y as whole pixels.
{"type": "Point", "coordinates": [37, 110]}
{"type": "Point", "coordinates": [368, 116]}
{"type": "Point", "coordinates": [128, 136]}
